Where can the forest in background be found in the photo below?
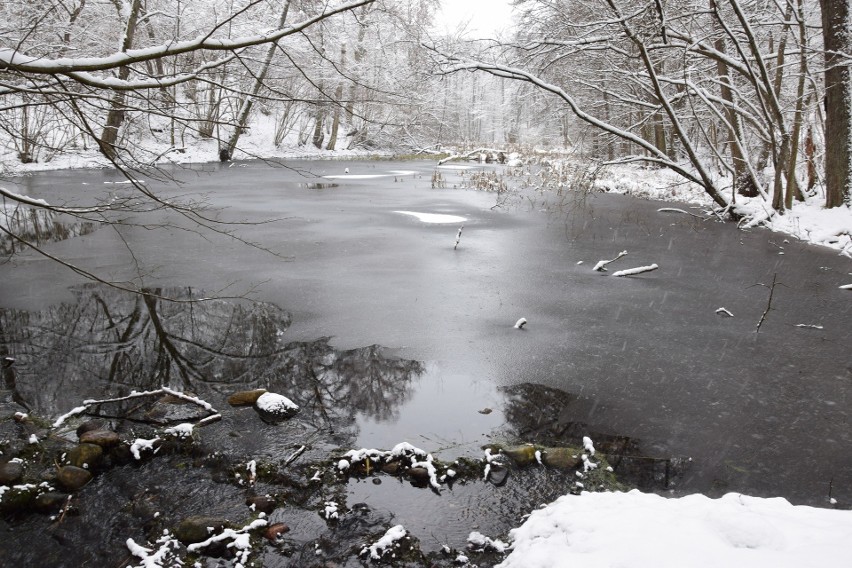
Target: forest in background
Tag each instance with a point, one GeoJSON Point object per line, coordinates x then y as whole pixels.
{"type": "Point", "coordinates": [741, 97]}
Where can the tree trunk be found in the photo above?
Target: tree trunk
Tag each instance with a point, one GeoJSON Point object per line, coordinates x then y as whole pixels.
{"type": "Point", "coordinates": [835, 26]}
{"type": "Point", "coordinates": [245, 107]}
{"type": "Point", "coordinates": [338, 94]}
{"type": "Point", "coordinates": [743, 182]}
{"type": "Point", "coordinates": [810, 153]}
{"type": "Point", "coordinates": [335, 121]}
{"type": "Point", "coordinates": [792, 182]}
{"type": "Point", "coordinates": [115, 116]}
{"type": "Point", "coordinates": [319, 135]}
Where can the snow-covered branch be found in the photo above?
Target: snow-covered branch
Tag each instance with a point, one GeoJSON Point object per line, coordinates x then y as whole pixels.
{"type": "Point", "coordinates": [637, 270]}
{"type": "Point", "coordinates": [601, 265]}
{"type": "Point", "coordinates": [15, 61]}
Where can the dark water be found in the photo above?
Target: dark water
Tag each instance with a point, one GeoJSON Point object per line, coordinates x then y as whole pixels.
{"type": "Point", "coordinates": [694, 401]}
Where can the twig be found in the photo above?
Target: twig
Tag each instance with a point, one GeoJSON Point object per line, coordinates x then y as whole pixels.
{"type": "Point", "coordinates": [67, 505]}
{"type": "Point", "coordinates": [163, 390]}
{"type": "Point", "coordinates": [768, 303]}
{"type": "Point", "coordinates": [601, 265]}
{"type": "Point", "coordinates": [458, 238]}
{"type": "Point", "coordinates": [675, 210]}
{"type": "Point", "coordinates": [295, 455]}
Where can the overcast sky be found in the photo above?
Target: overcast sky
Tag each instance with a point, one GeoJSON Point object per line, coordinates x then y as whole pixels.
{"type": "Point", "coordinates": [485, 16]}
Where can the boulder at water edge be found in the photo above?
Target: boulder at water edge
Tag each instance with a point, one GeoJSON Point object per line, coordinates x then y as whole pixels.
{"type": "Point", "coordinates": [274, 408]}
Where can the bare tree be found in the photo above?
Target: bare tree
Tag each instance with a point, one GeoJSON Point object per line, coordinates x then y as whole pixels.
{"type": "Point", "coordinates": [92, 88]}
{"type": "Point", "coordinates": [661, 80]}
{"type": "Point", "coordinates": [836, 23]}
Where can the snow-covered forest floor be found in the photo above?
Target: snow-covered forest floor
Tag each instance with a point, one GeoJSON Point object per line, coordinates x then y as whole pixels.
{"type": "Point", "coordinates": [638, 529]}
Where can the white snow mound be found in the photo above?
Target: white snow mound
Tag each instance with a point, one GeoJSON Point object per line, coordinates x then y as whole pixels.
{"type": "Point", "coordinates": [272, 402]}
{"type": "Point", "coordinates": [645, 530]}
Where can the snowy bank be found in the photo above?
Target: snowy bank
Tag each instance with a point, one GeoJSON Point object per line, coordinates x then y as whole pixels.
{"type": "Point", "coordinates": [808, 221]}
{"type": "Point", "coordinates": [643, 530]}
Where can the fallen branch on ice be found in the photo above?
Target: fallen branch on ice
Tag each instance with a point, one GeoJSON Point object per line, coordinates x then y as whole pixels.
{"type": "Point", "coordinates": [676, 210]}
{"type": "Point", "coordinates": [214, 415]}
{"type": "Point", "coordinates": [468, 154]}
{"type": "Point", "coordinates": [458, 238]}
{"type": "Point", "coordinates": [601, 265]}
{"type": "Point", "coordinates": [637, 270]}
{"type": "Point", "coordinates": [724, 312]}
{"type": "Point", "coordinates": [846, 287]}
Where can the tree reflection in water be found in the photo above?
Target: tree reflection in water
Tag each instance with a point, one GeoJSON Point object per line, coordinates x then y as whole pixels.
{"type": "Point", "coordinates": [551, 417]}
{"type": "Point", "coordinates": [110, 342]}
{"type": "Point", "coordinates": [37, 226]}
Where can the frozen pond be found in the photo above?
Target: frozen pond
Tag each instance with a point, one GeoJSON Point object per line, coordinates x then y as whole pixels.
{"type": "Point", "coordinates": [367, 258]}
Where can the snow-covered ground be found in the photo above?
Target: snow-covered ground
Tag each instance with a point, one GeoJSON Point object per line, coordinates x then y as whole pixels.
{"type": "Point", "coordinates": [807, 221]}
{"type": "Point", "coordinates": [639, 530]}
{"type": "Point", "coordinates": [149, 149]}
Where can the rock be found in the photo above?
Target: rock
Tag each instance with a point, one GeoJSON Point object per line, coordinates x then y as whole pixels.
{"type": "Point", "coordinates": [275, 408]}
{"type": "Point", "coordinates": [521, 455]}
{"type": "Point", "coordinates": [50, 502]}
{"type": "Point", "coordinates": [18, 499]}
{"type": "Point", "coordinates": [391, 468]}
{"type": "Point", "coordinates": [73, 478]}
{"type": "Point", "coordinates": [365, 467]}
{"type": "Point", "coordinates": [261, 504]}
{"type": "Point", "coordinates": [169, 409]}
{"type": "Point", "coordinates": [48, 474]}
{"type": "Point", "coordinates": [86, 456]}
{"type": "Point", "coordinates": [143, 509]}
{"type": "Point", "coordinates": [245, 398]}
{"type": "Point", "coordinates": [121, 454]}
{"type": "Point", "coordinates": [560, 458]}
{"type": "Point", "coordinates": [11, 473]}
{"type": "Point", "coordinates": [274, 532]}
{"type": "Point", "coordinates": [198, 529]}
{"type": "Point", "coordinates": [102, 438]}
{"type": "Point", "coordinates": [419, 475]}
{"type": "Point", "coordinates": [498, 475]}
{"type": "Point", "coordinates": [88, 426]}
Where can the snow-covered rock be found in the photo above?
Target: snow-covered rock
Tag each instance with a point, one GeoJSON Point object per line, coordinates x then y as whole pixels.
{"type": "Point", "coordinates": [275, 408]}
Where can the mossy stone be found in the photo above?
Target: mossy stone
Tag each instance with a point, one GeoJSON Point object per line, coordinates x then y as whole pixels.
{"type": "Point", "coordinates": [85, 456]}
{"type": "Point", "coordinates": [560, 458]}
{"type": "Point", "coordinates": [73, 478]}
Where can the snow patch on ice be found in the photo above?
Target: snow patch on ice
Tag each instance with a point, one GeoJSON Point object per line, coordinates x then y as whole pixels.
{"type": "Point", "coordinates": [437, 218]}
